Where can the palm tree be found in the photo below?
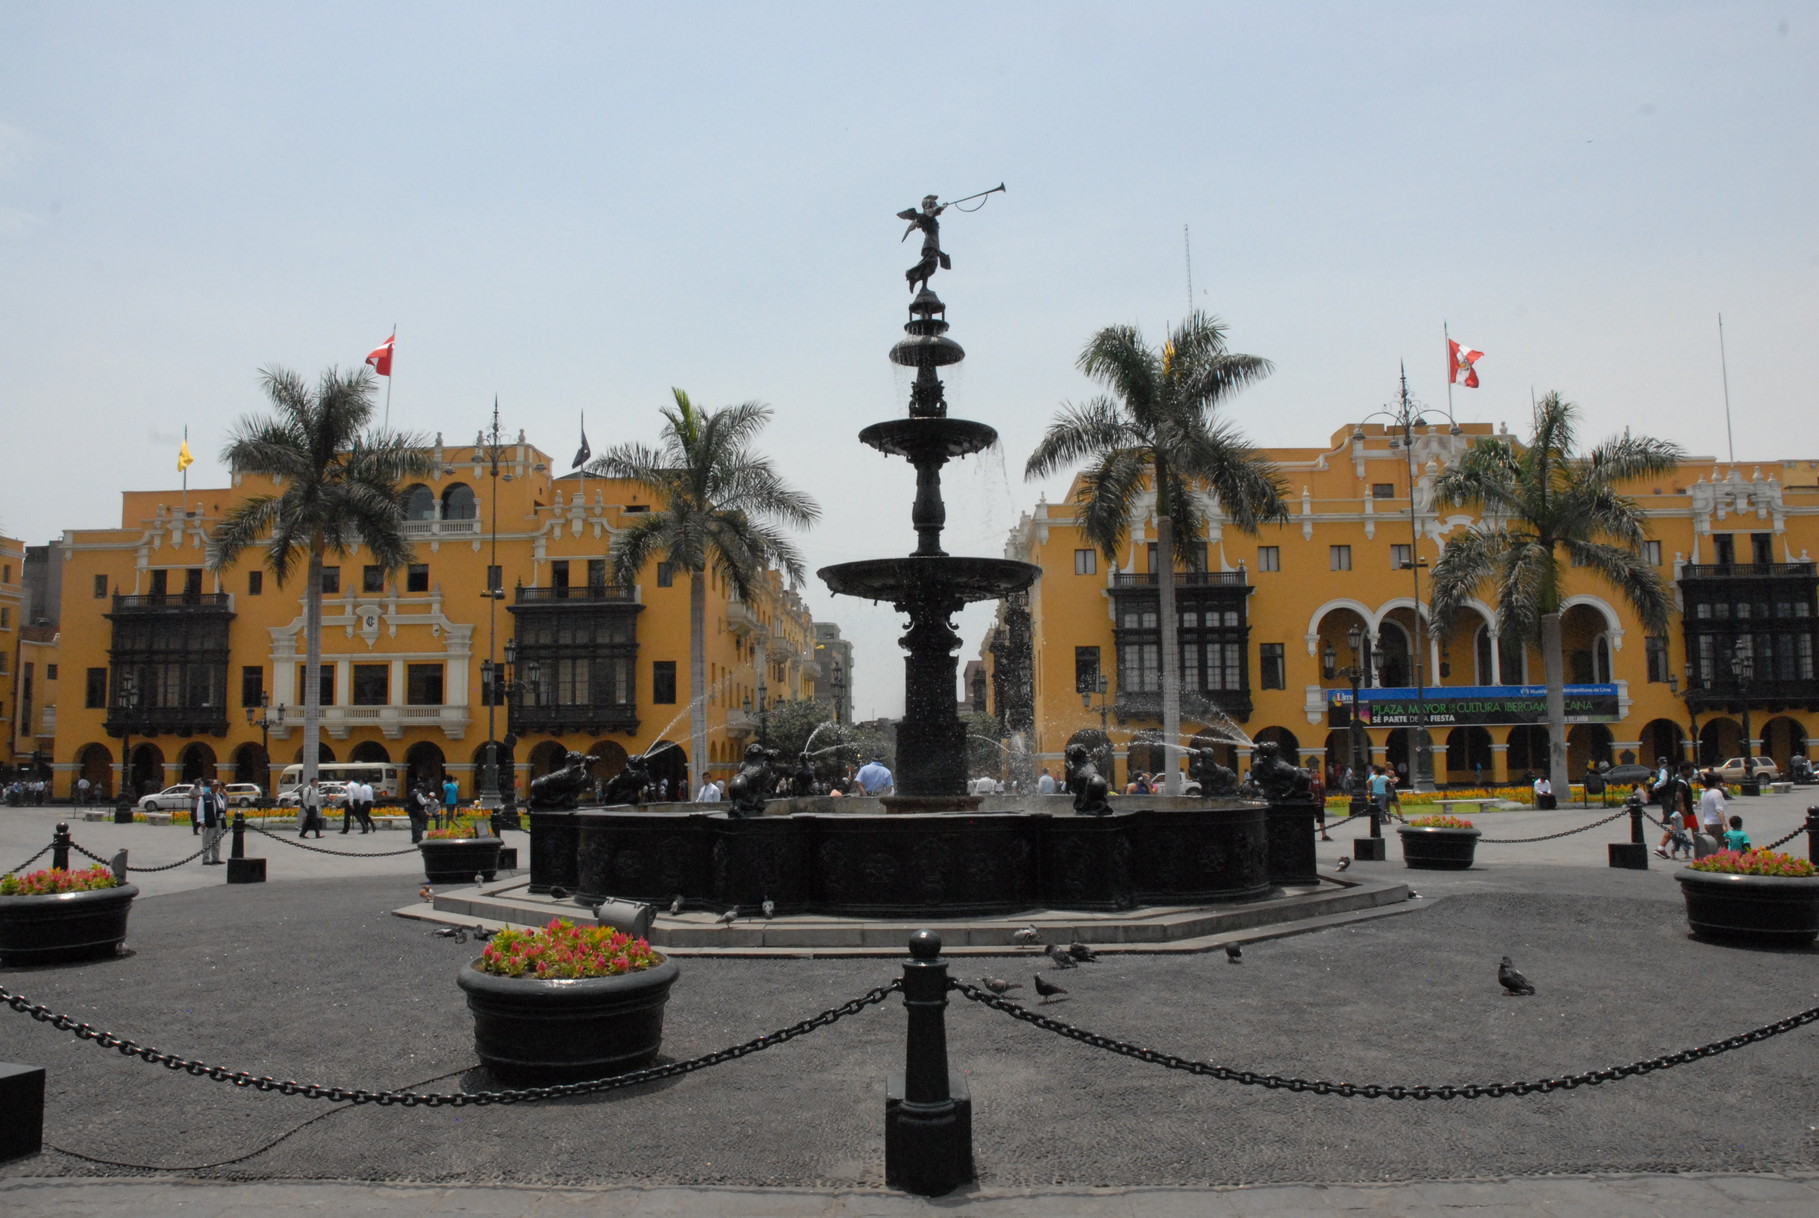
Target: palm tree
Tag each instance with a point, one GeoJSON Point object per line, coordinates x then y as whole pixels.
{"type": "Point", "coordinates": [1539, 502]}
{"type": "Point", "coordinates": [719, 501]}
{"type": "Point", "coordinates": [1155, 429]}
{"type": "Point", "coordinates": [340, 489]}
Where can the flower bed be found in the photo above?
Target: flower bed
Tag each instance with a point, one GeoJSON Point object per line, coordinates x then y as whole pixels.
{"type": "Point", "coordinates": [1755, 896]}
{"type": "Point", "coordinates": [562, 949]}
{"type": "Point", "coordinates": [1754, 862]}
{"type": "Point", "coordinates": [1439, 821]}
{"type": "Point", "coordinates": [51, 916]}
{"type": "Point", "coordinates": [53, 880]}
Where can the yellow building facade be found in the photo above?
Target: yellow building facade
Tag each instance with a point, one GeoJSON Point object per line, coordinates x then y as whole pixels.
{"type": "Point", "coordinates": [1266, 622]}
{"type": "Point", "coordinates": [172, 666]}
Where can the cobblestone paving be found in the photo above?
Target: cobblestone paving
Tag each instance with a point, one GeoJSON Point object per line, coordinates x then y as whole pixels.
{"type": "Point", "coordinates": [314, 981]}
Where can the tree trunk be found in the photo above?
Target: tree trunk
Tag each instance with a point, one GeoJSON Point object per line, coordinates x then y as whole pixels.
{"type": "Point", "coordinates": [312, 664]}
{"type": "Point", "coordinates": [1554, 669]}
{"type": "Point", "coordinates": [1171, 655]}
{"type": "Point", "coordinates": [697, 678]}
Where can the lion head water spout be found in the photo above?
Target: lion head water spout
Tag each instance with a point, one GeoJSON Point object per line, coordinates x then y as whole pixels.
{"type": "Point", "coordinates": [930, 585]}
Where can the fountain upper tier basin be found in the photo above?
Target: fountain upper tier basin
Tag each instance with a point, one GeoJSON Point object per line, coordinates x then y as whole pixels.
{"type": "Point", "coordinates": [922, 438]}
{"type": "Point", "coordinates": [899, 580]}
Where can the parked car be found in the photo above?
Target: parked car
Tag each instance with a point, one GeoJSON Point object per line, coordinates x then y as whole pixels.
{"type": "Point", "coordinates": [1628, 775]}
{"type": "Point", "coordinates": [1733, 770]}
{"type": "Point", "coordinates": [243, 794]}
{"type": "Point", "coordinates": [180, 798]}
{"type": "Point", "coordinates": [334, 794]}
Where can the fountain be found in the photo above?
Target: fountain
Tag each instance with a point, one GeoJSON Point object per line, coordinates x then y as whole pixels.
{"type": "Point", "coordinates": [932, 849]}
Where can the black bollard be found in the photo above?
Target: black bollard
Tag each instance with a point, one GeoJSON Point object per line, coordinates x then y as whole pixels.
{"type": "Point", "coordinates": [928, 1112]}
{"type": "Point", "coordinates": [240, 869]}
{"type": "Point", "coordinates": [1371, 848]}
{"type": "Point", "coordinates": [1633, 854]}
{"type": "Point", "coordinates": [60, 847]}
{"type": "Point", "coordinates": [1812, 834]}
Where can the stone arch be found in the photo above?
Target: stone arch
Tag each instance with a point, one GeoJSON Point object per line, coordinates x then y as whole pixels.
{"type": "Point", "coordinates": [546, 756]}
{"type": "Point", "coordinates": [1288, 746]}
{"type": "Point", "coordinates": [1782, 739]}
{"type": "Point", "coordinates": [1587, 743]}
{"type": "Point", "coordinates": [1394, 654]}
{"type": "Point", "coordinates": [1528, 750]}
{"type": "Point", "coordinates": [1662, 739]}
{"type": "Point", "coordinates": [1613, 624]}
{"type": "Point", "coordinates": [95, 762]}
{"type": "Point", "coordinates": [1468, 756]}
{"type": "Point", "coordinates": [196, 763]}
{"type": "Point", "coordinates": [419, 502]}
{"type": "Point", "coordinates": [424, 762]}
{"type": "Point", "coordinates": [147, 769]}
{"type": "Point", "coordinates": [666, 760]}
{"type": "Point", "coordinates": [370, 750]}
{"type": "Point", "coordinates": [1719, 738]}
{"type": "Point", "coordinates": [252, 764]}
{"type": "Point", "coordinates": [1143, 754]}
{"type": "Point", "coordinates": [1336, 605]}
{"type": "Point", "coordinates": [458, 502]}
{"type": "Point", "coordinates": [610, 757]}
{"type": "Point", "coordinates": [323, 753]}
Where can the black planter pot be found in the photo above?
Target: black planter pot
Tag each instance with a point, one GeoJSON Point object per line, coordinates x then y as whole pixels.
{"type": "Point", "coordinates": [458, 860]}
{"type": "Point", "coordinates": [1772, 910]}
{"type": "Point", "coordinates": [64, 926]}
{"type": "Point", "coordinates": [529, 1032]}
{"type": "Point", "coordinates": [1432, 849]}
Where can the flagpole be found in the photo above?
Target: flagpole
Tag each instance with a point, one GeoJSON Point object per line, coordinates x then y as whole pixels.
{"type": "Point", "coordinates": [1725, 372]}
{"type": "Point", "coordinates": [393, 341]}
{"type": "Point", "coordinates": [185, 472]}
{"type": "Point", "coordinates": [1447, 335]}
{"type": "Point", "coordinates": [583, 491]}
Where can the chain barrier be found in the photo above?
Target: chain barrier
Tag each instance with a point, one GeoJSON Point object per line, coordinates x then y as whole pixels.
{"type": "Point", "coordinates": [1374, 1091]}
{"type": "Point", "coordinates": [28, 862]}
{"type": "Point", "coordinates": [414, 1099]}
{"type": "Point", "coordinates": [130, 866]}
{"type": "Point", "coordinates": [346, 854]}
{"type": "Point", "coordinates": [1548, 837]}
{"type": "Point", "coordinates": [1774, 845]}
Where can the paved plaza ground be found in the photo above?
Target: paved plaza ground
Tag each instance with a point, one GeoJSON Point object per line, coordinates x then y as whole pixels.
{"type": "Point", "coordinates": [310, 977]}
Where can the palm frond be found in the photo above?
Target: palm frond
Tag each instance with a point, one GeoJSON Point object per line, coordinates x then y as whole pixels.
{"type": "Point", "coordinates": [1083, 432]}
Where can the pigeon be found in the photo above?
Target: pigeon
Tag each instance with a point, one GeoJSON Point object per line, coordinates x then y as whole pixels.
{"type": "Point", "coordinates": [675, 904]}
{"type": "Point", "coordinates": [451, 932]}
{"type": "Point", "coordinates": [1344, 863]}
{"type": "Point", "coordinates": [999, 986]}
{"type": "Point", "coordinates": [727, 917]}
{"type": "Point", "coordinates": [1059, 955]}
{"type": "Point", "coordinates": [427, 893]}
{"type": "Point", "coordinates": [482, 934]}
{"type": "Point", "coordinates": [1234, 953]}
{"type": "Point", "coordinates": [558, 893]}
{"type": "Point", "coordinates": [1512, 981]}
{"type": "Point", "coordinates": [1047, 989]}
{"type": "Point", "coordinates": [1026, 937]}
{"type": "Point", "coordinates": [770, 908]}
{"type": "Point", "coordinates": [1081, 951]}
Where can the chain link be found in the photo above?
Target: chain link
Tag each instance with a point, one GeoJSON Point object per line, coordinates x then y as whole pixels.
{"type": "Point", "coordinates": [1777, 844]}
{"type": "Point", "coordinates": [346, 854]}
{"type": "Point", "coordinates": [1374, 1091]}
{"type": "Point", "coordinates": [413, 1099]}
{"type": "Point", "coordinates": [1548, 837]}
{"type": "Point", "coordinates": [28, 862]}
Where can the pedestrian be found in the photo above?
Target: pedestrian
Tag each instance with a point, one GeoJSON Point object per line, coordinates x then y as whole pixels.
{"type": "Point", "coordinates": [1380, 789]}
{"type": "Point", "coordinates": [420, 806]}
{"type": "Point", "coordinates": [451, 795]}
{"type": "Point", "coordinates": [82, 791]}
{"type": "Point", "coordinates": [1316, 791]}
{"type": "Point", "coordinates": [350, 805]}
{"type": "Point", "coordinates": [1544, 794]}
{"type": "Point", "coordinates": [1712, 808]}
{"type": "Point", "coordinates": [211, 812]}
{"type": "Point", "coordinates": [310, 803]}
{"type": "Point", "coordinates": [1737, 839]}
{"type": "Point", "coordinates": [1045, 785]}
{"type": "Point", "coordinates": [875, 777]}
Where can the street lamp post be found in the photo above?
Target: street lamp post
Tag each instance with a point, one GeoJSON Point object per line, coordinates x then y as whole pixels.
{"type": "Point", "coordinates": [489, 795]}
{"type": "Point", "coordinates": [1746, 673]}
{"type": "Point", "coordinates": [1692, 715]}
{"type": "Point", "coordinates": [839, 695]}
{"type": "Point", "coordinates": [1356, 672]}
{"type": "Point", "coordinates": [127, 692]}
{"type": "Point", "coordinates": [1088, 690]}
{"type": "Point", "coordinates": [265, 717]}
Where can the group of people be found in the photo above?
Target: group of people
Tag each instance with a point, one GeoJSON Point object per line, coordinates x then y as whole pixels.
{"type": "Point", "coordinates": [1696, 818]}
{"type": "Point", "coordinates": [26, 792]}
{"type": "Point", "coordinates": [209, 818]}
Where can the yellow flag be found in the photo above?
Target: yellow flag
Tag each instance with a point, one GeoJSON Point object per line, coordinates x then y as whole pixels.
{"type": "Point", "coordinates": [183, 457]}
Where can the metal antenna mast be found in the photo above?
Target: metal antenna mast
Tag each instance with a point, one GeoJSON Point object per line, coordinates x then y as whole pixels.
{"type": "Point", "coordinates": [1187, 249]}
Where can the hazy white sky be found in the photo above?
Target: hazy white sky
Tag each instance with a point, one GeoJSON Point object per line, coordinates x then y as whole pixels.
{"type": "Point", "coordinates": [579, 206]}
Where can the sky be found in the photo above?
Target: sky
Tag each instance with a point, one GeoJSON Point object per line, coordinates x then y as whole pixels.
{"type": "Point", "coordinates": [578, 206]}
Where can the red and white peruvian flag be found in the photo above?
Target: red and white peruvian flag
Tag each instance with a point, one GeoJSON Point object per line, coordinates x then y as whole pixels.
{"type": "Point", "coordinates": [381, 357]}
{"type": "Point", "coordinates": [1462, 364]}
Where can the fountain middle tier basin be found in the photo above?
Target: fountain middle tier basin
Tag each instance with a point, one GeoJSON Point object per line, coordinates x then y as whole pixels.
{"type": "Point", "coordinates": [871, 864]}
{"type": "Point", "coordinates": [921, 439]}
{"type": "Point", "coordinates": [898, 580]}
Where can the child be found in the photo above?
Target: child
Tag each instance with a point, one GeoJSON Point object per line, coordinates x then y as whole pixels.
{"type": "Point", "coordinates": [1736, 839]}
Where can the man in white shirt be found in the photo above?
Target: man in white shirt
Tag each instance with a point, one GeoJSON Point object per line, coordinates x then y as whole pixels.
{"type": "Point", "coordinates": [874, 776]}
{"type": "Point", "coordinates": [710, 791]}
{"type": "Point", "coordinates": [1045, 785]}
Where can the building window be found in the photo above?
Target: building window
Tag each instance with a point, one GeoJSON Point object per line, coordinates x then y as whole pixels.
{"type": "Point", "coordinates": [100, 587]}
{"type": "Point", "coordinates": [558, 576]}
{"type": "Point", "coordinates": [1150, 557]}
{"type": "Point", "coordinates": [1269, 558]}
{"type": "Point", "coordinates": [596, 572]}
{"type": "Point", "coordinates": [50, 672]}
{"type": "Point", "coordinates": [1762, 548]}
{"type": "Point", "coordinates": [1272, 667]}
{"type": "Point", "coordinates": [663, 681]}
{"type": "Point", "coordinates": [423, 684]}
{"type": "Point", "coordinates": [372, 578]}
{"type": "Point", "coordinates": [255, 583]}
{"type": "Point", "coordinates": [1139, 668]}
{"type": "Point", "coordinates": [416, 577]}
{"type": "Point", "coordinates": [1383, 490]}
{"type": "Point", "coordinates": [325, 683]}
{"type": "Point", "coordinates": [1651, 553]}
{"type": "Point", "coordinates": [1339, 558]}
{"type": "Point", "coordinates": [1086, 562]}
{"type": "Point", "coordinates": [1654, 649]}
{"type": "Point", "coordinates": [331, 580]}
{"type": "Point", "coordinates": [666, 574]}
{"type": "Point", "coordinates": [252, 685]}
{"type": "Point", "coordinates": [1086, 668]}
{"type": "Point", "coordinates": [1402, 557]}
{"type": "Point", "coordinates": [6, 617]}
{"type": "Point", "coordinates": [372, 684]}
{"type": "Point", "coordinates": [1724, 549]}
{"type": "Point", "coordinates": [95, 696]}
{"type": "Point", "coordinates": [495, 579]}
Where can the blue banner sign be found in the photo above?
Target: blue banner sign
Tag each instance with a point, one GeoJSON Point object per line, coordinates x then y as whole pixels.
{"type": "Point", "coordinates": [1451, 705]}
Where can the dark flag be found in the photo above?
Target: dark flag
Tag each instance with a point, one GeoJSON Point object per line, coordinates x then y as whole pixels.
{"type": "Point", "coordinates": [584, 453]}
